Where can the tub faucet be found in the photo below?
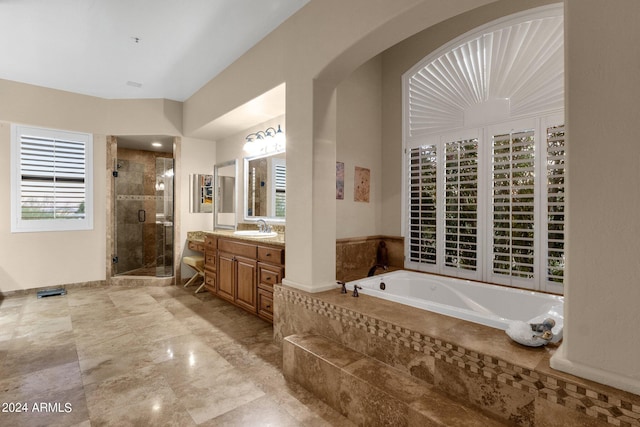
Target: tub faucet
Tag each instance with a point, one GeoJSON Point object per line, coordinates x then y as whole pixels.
{"type": "Point", "coordinates": [355, 291]}
{"type": "Point", "coordinates": [344, 287]}
{"type": "Point", "coordinates": [373, 269]}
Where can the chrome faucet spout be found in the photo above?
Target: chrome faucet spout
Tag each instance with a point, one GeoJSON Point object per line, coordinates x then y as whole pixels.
{"type": "Point", "coordinates": [263, 227]}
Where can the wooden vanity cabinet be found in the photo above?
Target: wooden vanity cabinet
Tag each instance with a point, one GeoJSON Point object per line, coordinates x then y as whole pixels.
{"type": "Point", "coordinates": [244, 273]}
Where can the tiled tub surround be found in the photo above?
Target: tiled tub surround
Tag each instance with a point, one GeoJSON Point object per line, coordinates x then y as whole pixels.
{"type": "Point", "coordinates": [355, 256]}
{"type": "Point", "coordinates": [474, 363]}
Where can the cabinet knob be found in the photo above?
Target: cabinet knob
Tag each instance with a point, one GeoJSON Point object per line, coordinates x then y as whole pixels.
{"type": "Point", "coordinates": [269, 306]}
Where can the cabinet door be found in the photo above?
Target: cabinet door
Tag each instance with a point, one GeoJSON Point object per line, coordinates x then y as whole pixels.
{"type": "Point", "coordinates": [246, 284]}
{"type": "Point", "coordinates": [226, 276]}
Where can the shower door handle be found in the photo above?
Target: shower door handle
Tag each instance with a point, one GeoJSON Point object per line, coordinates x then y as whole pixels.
{"type": "Point", "coordinates": [142, 215]}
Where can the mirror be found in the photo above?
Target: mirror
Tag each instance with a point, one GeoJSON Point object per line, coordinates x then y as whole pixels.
{"type": "Point", "coordinates": [201, 190]}
{"type": "Point", "coordinates": [265, 187]}
{"type": "Point", "coordinates": [225, 194]}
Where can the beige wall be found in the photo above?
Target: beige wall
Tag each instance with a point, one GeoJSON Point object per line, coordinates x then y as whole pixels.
{"type": "Point", "coordinates": [197, 157]}
{"type": "Point", "coordinates": [31, 260]}
{"type": "Point", "coordinates": [359, 143]}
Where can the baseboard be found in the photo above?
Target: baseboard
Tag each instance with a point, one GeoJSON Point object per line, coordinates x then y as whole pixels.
{"type": "Point", "coordinates": [561, 363]}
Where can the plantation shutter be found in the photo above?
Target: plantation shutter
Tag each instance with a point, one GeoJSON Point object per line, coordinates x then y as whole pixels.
{"type": "Point", "coordinates": [52, 178]}
{"type": "Point", "coordinates": [555, 203]}
{"type": "Point", "coordinates": [513, 204]}
{"type": "Point", "coordinates": [280, 188]}
{"type": "Point", "coordinates": [461, 204]}
{"type": "Point", "coordinates": [422, 204]}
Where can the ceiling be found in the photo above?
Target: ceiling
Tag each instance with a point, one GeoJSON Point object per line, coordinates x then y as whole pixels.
{"type": "Point", "coordinates": [131, 49]}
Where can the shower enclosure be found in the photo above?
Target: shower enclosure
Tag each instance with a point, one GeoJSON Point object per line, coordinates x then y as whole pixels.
{"type": "Point", "coordinates": [144, 213]}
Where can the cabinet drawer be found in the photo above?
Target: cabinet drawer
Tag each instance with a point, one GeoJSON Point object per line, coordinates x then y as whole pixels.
{"type": "Point", "coordinates": [272, 255]}
{"type": "Point", "coordinates": [237, 248]}
{"type": "Point", "coordinates": [269, 275]}
{"type": "Point", "coordinates": [210, 260]}
{"type": "Point", "coordinates": [196, 246]}
{"type": "Point", "coordinates": [210, 243]}
{"type": "Point", "coordinates": [210, 281]}
{"type": "Point", "coordinates": [265, 304]}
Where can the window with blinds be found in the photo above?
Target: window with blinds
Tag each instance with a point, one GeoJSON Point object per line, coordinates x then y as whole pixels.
{"type": "Point", "coordinates": [280, 171]}
{"type": "Point", "coordinates": [489, 206]}
{"type": "Point", "coordinates": [51, 180]}
{"type": "Point", "coordinates": [461, 204]}
{"type": "Point", "coordinates": [555, 203]}
{"type": "Point", "coordinates": [422, 204]}
{"type": "Point", "coordinates": [513, 203]}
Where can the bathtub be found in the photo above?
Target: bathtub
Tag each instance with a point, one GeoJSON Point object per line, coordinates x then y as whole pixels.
{"type": "Point", "coordinates": [490, 305]}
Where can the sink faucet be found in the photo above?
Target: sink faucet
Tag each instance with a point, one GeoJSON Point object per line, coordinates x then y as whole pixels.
{"type": "Point", "coordinates": [263, 226]}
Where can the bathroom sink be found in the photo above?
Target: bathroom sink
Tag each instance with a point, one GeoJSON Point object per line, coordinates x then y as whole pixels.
{"type": "Point", "coordinates": [255, 234]}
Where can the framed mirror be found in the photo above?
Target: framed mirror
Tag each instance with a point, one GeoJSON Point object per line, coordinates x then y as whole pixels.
{"type": "Point", "coordinates": [265, 187]}
{"type": "Point", "coordinates": [224, 175]}
{"type": "Point", "coordinates": [201, 190]}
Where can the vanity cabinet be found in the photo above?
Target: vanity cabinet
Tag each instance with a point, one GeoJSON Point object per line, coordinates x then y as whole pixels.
{"type": "Point", "coordinates": [244, 273]}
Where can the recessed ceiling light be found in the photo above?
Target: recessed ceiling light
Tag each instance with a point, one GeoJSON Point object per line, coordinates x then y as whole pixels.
{"type": "Point", "coordinates": [134, 84]}
{"type": "Point", "coordinates": [156, 144]}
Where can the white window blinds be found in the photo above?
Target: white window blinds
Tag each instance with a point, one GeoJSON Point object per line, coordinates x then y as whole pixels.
{"type": "Point", "coordinates": [513, 202]}
{"type": "Point", "coordinates": [422, 204]}
{"type": "Point", "coordinates": [555, 203]}
{"type": "Point", "coordinates": [280, 189]}
{"type": "Point", "coordinates": [51, 180]}
{"type": "Point", "coordinates": [461, 204]}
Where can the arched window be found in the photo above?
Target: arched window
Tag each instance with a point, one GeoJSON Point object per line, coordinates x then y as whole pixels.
{"type": "Point", "coordinates": [485, 154]}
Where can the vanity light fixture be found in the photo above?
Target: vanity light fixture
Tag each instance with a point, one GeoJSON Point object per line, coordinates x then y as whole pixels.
{"type": "Point", "coordinates": [270, 140]}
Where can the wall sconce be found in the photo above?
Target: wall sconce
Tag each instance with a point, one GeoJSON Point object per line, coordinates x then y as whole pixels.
{"type": "Point", "coordinates": [270, 140]}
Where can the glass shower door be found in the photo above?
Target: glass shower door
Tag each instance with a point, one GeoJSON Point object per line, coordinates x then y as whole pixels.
{"type": "Point", "coordinates": [164, 217]}
{"type": "Point", "coordinates": [144, 215]}
{"type": "Point", "coordinates": [130, 217]}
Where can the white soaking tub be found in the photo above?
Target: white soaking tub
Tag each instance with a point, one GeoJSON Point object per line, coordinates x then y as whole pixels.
{"type": "Point", "coordinates": [486, 304]}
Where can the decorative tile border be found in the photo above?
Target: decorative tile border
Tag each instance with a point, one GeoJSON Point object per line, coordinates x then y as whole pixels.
{"type": "Point", "coordinates": [127, 197]}
{"type": "Point", "coordinates": [607, 408]}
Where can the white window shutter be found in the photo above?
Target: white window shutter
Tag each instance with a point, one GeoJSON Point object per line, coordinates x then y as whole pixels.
{"type": "Point", "coordinates": [461, 205]}
{"type": "Point", "coordinates": [422, 204]}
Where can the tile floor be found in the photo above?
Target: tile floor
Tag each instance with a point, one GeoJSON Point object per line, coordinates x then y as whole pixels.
{"type": "Point", "coordinates": [155, 356]}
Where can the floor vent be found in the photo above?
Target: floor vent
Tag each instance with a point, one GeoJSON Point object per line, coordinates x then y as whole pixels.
{"type": "Point", "coordinates": [52, 292]}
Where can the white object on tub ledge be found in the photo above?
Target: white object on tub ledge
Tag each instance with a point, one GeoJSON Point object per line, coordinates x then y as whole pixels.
{"type": "Point", "coordinates": [483, 303]}
{"type": "Point", "coordinates": [521, 333]}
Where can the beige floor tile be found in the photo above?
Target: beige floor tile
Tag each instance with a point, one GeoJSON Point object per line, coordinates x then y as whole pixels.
{"type": "Point", "coordinates": [156, 356]}
{"type": "Point", "coordinates": [206, 399]}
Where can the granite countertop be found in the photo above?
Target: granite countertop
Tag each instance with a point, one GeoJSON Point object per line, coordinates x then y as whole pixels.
{"type": "Point", "coordinates": [198, 236]}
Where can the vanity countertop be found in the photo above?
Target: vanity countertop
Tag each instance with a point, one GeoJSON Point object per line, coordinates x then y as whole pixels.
{"type": "Point", "coordinates": [198, 236]}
